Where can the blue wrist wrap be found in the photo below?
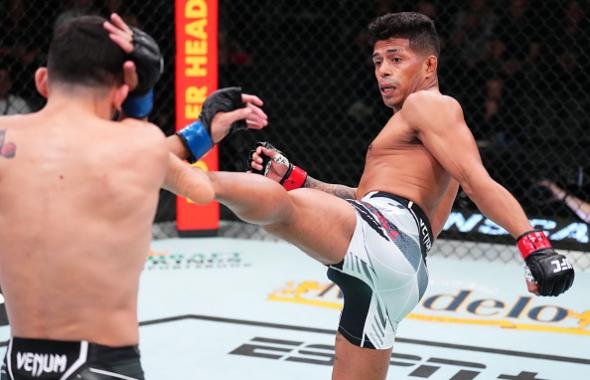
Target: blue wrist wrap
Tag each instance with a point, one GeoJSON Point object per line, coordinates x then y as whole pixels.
{"type": "Point", "coordinates": [139, 106]}
{"type": "Point", "coordinates": [196, 139]}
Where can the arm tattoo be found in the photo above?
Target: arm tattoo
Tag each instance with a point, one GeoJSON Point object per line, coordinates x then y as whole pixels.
{"type": "Point", "coordinates": [7, 150]}
{"type": "Point", "coordinates": [340, 191]}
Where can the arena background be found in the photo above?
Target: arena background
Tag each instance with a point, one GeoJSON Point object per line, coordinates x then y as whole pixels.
{"type": "Point", "coordinates": [518, 67]}
{"type": "Point", "coordinates": [241, 306]}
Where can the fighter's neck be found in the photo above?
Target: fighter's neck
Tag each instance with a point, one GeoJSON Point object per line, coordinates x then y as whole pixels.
{"type": "Point", "coordinates": [427, 85]}
{"type": "Point", "coordinates": [86, 105]}
{"type": "Point", "coordinates": [431, 84]}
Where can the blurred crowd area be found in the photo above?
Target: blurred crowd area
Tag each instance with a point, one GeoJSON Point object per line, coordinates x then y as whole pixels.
{"type": "Point", "coordinates": [26, 27]}
{"type": "Point", "coordinates": [518, 67]}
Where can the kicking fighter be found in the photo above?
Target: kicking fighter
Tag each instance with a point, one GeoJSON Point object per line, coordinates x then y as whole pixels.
{"type": "Point", "coordinates": [376, 242]}
{"type": "Point", "coordinates": [77, 205]}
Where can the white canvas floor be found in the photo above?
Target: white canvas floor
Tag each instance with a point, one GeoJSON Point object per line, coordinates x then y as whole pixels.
{"type": "Point", "coordinates": [239, 309]}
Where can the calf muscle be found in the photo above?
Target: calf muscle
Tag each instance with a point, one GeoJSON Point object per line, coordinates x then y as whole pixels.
{"type": "Point", "coordinates": [319, 224]}
{"type": "Point", "coordinates": [255, 199]}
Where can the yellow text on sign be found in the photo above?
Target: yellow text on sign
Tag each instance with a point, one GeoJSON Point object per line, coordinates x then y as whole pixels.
{"type": "Point", "coordinates": [193, 99]}
{"type": "Point", "coordinates": [196, 47]}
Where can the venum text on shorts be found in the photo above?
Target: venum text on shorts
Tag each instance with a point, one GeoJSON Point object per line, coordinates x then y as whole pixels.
{"type": "Point", "coordinates": [39, 363]}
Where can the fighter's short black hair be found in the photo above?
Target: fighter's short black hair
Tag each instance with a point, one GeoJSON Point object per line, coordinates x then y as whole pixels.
{"type": "Point", "coordinates": [82, 53]}
{"type": "Point", "coordinates": [416, 27]}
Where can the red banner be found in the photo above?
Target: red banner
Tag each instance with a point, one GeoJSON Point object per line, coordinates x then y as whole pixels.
{"type": "Point", "coordinates": [196, 77]}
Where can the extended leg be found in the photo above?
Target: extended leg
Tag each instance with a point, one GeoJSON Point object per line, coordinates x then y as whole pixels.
{"type": "Point", "coordinates": [254, 198]}
{"type": "Point", "coordinates": [318, 223]}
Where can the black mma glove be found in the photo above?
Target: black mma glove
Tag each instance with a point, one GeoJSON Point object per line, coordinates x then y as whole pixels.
{"type": "Point", "coordinates": [149, 65]}
{"type": "Point", "coordinates": [294, 177]}
{"type": "Point", "coordinates": [552, 272]}
{"type": "Point", "coordinates": [196, 136]}
{"type": "Point", "coordinates": [148, 60]}
{"type": "Point", "coordinates": [224, 100]}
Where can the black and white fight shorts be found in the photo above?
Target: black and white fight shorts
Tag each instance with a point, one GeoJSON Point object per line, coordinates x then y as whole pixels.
{"type": "Point", "coordinates": [383, 275]}
{"type": "Point", "coordinates": [64, 360]}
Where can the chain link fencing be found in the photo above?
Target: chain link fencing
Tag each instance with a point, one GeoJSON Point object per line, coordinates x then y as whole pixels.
{"type": "Point", "coordinates": [518, 67]}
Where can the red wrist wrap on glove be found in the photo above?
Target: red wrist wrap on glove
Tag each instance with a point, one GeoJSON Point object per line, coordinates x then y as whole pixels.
{"type": "Point", "coordinates": [295, 179]}
{"type": "Point", "coordinates": [531, 242]}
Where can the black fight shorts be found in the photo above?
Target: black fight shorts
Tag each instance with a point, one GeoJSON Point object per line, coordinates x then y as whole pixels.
{"type": "Point", "coordinates": [63, 360]}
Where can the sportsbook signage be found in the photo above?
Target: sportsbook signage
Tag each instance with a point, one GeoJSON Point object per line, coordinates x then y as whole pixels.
{"type": "Point", "coordinates": [196, 78]}
{"type": "Point", "coordinates": [195, 260]}
{"type": "Point", "coordinates": [466, 225]}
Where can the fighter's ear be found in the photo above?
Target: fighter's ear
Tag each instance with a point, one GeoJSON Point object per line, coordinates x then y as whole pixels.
{"type": "Point", "coordinates": [41, 81]}
{"type": "Point", "coordinates": [430, 65]}
{"type": "Point", "coordinates": [120, 95]}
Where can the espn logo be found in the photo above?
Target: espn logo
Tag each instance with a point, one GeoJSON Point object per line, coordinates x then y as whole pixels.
{"type": "Point", "coordinates": [425, 368]}
{"type": "Point", "coordinates": [322, 354]}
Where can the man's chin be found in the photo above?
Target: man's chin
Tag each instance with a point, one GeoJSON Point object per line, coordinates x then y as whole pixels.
{"type": "Point", "coordinates": [390, 102]}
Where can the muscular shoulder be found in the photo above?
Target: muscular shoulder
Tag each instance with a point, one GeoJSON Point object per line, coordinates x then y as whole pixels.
{"type": "Point", "coordinates": [148, 132]}
{"type": "Point", "coordinates": [146, 137]}
{"type": "Point", "coordinates": [427, 108]}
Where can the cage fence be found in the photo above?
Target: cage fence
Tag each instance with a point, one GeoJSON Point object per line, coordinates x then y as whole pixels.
{"type": "Point", "coordinates": [518, 67]}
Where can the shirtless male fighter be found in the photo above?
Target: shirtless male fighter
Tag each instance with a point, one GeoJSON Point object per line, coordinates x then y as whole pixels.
{"type": "Point", "coordinates": [375, 242]}
{"type": "Point", "coordinates": [77, 205]}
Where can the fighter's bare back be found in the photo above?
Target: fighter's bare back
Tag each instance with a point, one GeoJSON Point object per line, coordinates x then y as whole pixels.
{"type": "Point", "coordinates": [76, 207]}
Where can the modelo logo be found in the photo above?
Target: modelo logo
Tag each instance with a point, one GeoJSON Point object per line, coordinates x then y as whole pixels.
{"type": "Point", "coordinates": [176, 261]}
{"type": "Point", "coordinates": [492, 307]}
{"type": "Point", "coordinates": [462, 307]}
